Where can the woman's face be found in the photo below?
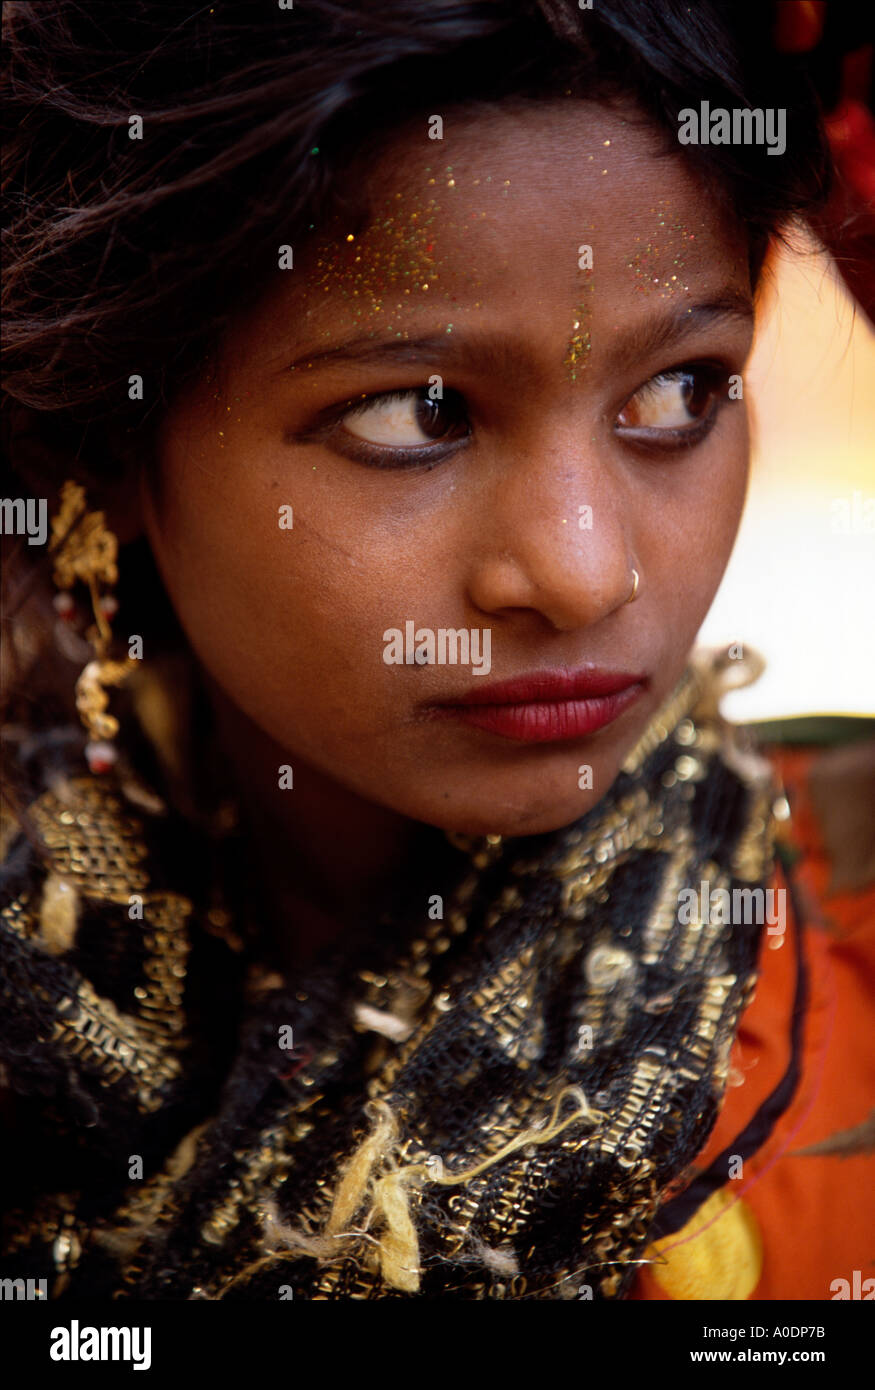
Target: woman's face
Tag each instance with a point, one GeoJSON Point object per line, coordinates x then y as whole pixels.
{"type": "Point", "coordinates": [566, 451]}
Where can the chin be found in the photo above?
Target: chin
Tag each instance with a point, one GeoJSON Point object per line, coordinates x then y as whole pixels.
{"type": "Point", "coordinates": [519, 821]}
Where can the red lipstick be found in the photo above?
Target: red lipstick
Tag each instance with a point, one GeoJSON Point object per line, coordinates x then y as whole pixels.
{"type": "Point", "coordinates": [547, 706]}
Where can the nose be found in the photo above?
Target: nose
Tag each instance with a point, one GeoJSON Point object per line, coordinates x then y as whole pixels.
{"type": "Point", "coordinates": [557, 541]}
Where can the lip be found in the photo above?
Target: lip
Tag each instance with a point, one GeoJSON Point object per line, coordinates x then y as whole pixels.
{"type": "Point", "coordinates": [547, 706]}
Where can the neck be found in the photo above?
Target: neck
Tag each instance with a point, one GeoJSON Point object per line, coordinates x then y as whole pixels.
{"type": "Point", "coordinates": [327, 860]}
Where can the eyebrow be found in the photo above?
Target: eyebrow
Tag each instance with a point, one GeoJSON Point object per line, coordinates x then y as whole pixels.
{"type": "Point", "coordinates": [502, 356]}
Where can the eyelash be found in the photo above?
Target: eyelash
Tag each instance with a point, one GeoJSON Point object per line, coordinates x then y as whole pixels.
{"type": "Point", "coordinates": [713, 375]}
{"type": "Point", "coordinates": [652, 440]}
{"type": "Point", "coordinates": [424, 457]}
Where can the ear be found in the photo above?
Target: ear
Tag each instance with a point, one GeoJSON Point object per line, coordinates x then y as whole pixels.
{"type": "Point", "coordinates": [45, 448]}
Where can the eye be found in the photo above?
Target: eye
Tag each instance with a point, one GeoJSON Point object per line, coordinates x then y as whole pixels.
{"type": "Point", "coordinates": [399, 429]}
{"type": "Point", "coordinates": [680, 405]}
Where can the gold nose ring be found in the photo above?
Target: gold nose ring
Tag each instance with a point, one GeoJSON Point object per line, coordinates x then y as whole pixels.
{"type": "Point", "coordinates": [634, 593]}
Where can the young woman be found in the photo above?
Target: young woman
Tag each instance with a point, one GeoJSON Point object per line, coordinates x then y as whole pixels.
{"type": "Point", "coordinates": [381, 370]}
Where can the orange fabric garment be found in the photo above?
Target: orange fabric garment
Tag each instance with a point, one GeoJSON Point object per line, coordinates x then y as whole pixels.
{"type": "Point", "coordinates": [813, 1214]}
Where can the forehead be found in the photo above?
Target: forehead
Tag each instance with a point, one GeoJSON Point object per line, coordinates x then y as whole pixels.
{"type": "Point", "coordinates": [493, 220]}
{"type": "Point", "coordinates": [572, 157]}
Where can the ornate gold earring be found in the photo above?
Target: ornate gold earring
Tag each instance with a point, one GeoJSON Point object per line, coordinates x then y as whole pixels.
{"type": "Point", "coordinates": [634, 594]}
{"type": "Point", "coordinates": [85, 552]}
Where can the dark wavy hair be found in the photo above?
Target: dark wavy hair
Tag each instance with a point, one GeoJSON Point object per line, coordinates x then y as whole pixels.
{"type": "Point", "coordinates": [131, 255]}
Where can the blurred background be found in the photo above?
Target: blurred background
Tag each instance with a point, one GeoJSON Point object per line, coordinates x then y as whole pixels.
{"type": "Point", "coordinates": [801, 583]}
{"type": "Point", "coordinates": [800, 587]}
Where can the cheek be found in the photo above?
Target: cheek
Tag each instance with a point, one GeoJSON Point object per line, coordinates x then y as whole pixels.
{"type": "Point", "coordinates": [722, 496]}
{"type": "Point", "coordinates": [691, 531]}
{"type": "Point", "coordinates": [289, 618]}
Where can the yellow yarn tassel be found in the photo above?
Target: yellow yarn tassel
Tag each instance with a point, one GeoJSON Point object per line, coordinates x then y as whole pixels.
{"type": "Point", "coordinates": [387, 1221]}
{"type": "Point", "coordinates": [399, 1246]}
{"type": "Point", "coordinates": [351, 1191]}
{"type": "Point", "coordinates": [389, 1213]}
{"type": "Point", "coordinates": [531, 1136]}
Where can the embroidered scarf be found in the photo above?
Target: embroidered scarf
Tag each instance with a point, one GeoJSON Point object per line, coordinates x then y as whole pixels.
{"type": "Point", "coordinates": [494, 1103]}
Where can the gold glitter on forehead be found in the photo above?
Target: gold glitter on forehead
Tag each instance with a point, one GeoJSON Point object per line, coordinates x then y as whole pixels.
{"type": "Point", "coordinates": [395, 261]}
{"type": "Point", "coordinates": [659, 266]}
{"type": "Point", "coordinates": [396, 254]}
{"type": "Point", "coordinates": [580, 342]}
